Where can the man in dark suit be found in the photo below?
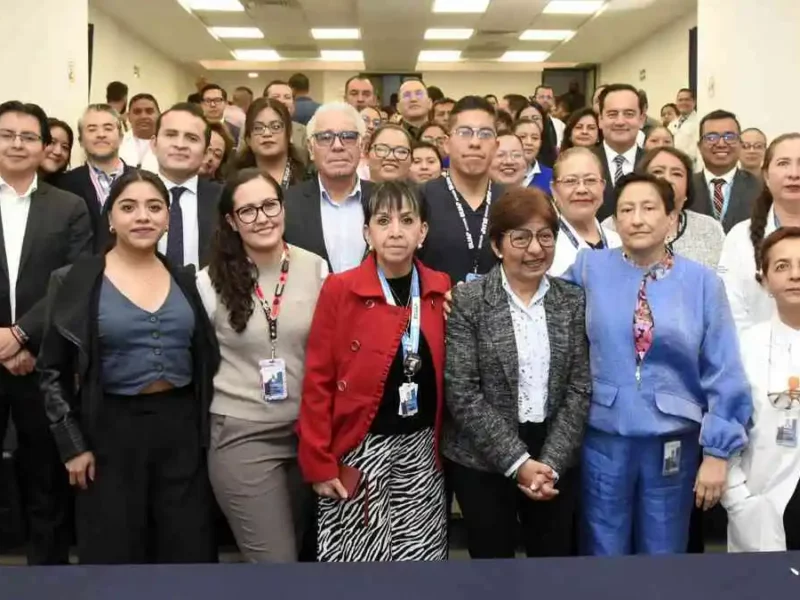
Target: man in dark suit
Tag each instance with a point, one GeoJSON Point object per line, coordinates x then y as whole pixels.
{"type": "Point", "coordinates": [325, 215]}
{"type": "Point", "coordinates": [100, 135]}
{"type": "Point", "coordinates": [622, 115]}
{"type": "Point", "coordinates": [724, 191]}
{"type": "Point", "coordinates": [182, 136]}
{"type": "Point", "coordinates": [43, 229]}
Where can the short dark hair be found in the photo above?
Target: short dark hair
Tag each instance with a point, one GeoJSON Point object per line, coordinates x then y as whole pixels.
{"type": "Point", "coordinates": [516, 102]}
{"type": "Point", "coordinates": [643, 99]}
{"type": "Point", "coordinates": [138, 97]}
{"type": "Point", "coordinates": [190, 108]}
{"type": "Point", "coordinates": [542, 87]}
{"type": "Point", "coordinates": [650, 156]}
{"type": "Point", "coordinates": [299, 82]}
{"type": "Point", "coordinates": [390, 195]}
{"type": "Point", "coordinates": [435, 93]}
{"type": "Point", "coordinates": [518, 206]}
{"type": "Point", "coordinates": [671, 105]}
{"type": "Point", "coordinates": [244, 88]}
{"type": "Point", "coordinates": [663, 187]}
{"type": "Point", "coordinates": [356, 78]}
{"type": "Point", "coordinates": [471, 103]}
{"type": "Point", "coordinates": [487, 96]}
{"type": "Point", "coordinates": [274, 82]}
{"type": "Point", "coordinates": [503, 122]}
{"type": "Point", "coordinates": [719, 115]}
{"type": "Point", "coordinates": [780, 234]}
{"type": "Point", "coordinates": [213, 86]}
{"type": "Point", "coordinates": [691, 91]}
{"type": "Point", "coordinates": [194, 98]}
{"type": "Point", "coordinates": [116, 91]}
{"type": "Point", "coordinates": [421, 145]}
{"type": "Point", "coordinates": [619, 87]}
{"type": "Point", "coordinates": [32, 110]}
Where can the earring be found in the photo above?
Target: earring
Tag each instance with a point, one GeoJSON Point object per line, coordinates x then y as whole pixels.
{"type": "Point", "coordinates": [420, 246]}
{"type": "Point", "coordinates": [110, 229]}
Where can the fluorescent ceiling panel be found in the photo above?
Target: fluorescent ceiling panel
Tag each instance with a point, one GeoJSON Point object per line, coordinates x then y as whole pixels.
{"type": "Point", "coordinates": [573, 7]}
{"type": "Point", "coordinates": [253, 75]}
{"type": "Point", "coordinates": [241, 33]}
{"type": "Point", "coordinates": [335, 34]}
{"type": "Point", "coordinates": [448, 34]}
{"type": "Point", "coordinates": [267, 55]}
{"type": "Point", "coordinates": [342, 55]}
{"type": "Point", "coordinates": [546, 35]}
{"type": "Point", "coordinates": [521, 56]}
{"type": "Point", "coordinates": [439, 56]}
{"type": "Point", "coordinates": [220, 5]}
{"type": "Point", "coordinates": [460, 6]}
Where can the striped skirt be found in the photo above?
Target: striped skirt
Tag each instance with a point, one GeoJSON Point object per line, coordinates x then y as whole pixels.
{"type": "Point", "coordinates": [399, 511]}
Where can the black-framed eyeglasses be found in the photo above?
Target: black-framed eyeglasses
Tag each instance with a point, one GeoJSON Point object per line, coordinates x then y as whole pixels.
{"type": "Point", "coordinates": [467, 133]}
{"type": "Point", "coordinates": [729, 137]}
{"type": "Point", "coordinates": [753, 146]}
{"type": "Point", "coordinates": [273, 126]}
{"type": "Point", "coordinates": [327, 138]}
{"type": "Point", "coordinates": [26, 137]}
{"type": "Point", "coordinates": [213, 101]}
{"type": "Point", "coordinates": [522, 238]}
{"type": "Point", "coordinates": [271, 207]}
{"type": "Point", "coordinates": [384, 151]}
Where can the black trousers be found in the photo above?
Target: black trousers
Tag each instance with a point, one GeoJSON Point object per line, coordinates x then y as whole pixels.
{"type": "Point", "coordinates": [151, 500]}
{"type": "Point", "coordinates": [791, 521]}
{"type": "Point", "coordinates": [44, 484]}
{"type": "Point", "coordinates": [497, 515]}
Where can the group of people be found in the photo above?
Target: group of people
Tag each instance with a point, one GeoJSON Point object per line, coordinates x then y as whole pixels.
{"type": "Point", "coordinates": [583, 336]}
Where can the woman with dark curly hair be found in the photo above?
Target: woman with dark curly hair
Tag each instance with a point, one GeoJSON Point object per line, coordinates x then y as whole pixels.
{"type": "Point", "coordinates": [260, 294]}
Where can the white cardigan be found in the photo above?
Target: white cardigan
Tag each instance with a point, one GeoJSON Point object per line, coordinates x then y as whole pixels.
{"type": "Point", "coordinates": [566, 252]}
{"type": "Point", "coordinates": [763, 478]}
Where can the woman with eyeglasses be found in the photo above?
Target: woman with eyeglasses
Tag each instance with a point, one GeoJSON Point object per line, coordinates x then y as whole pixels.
{"type": "Point", "coordinates": [260, 294]}
{"type": "Point", "coordinates": [763, 496]}
{"type": "Point", "coordinates": [754, 146]}
{"type": "Point", "coordinates": [578, 194]}
{"type": "Point", "coordinates": [57, 154]}
{"type": "Point", "coordinates": [536, 174]}
{"type": "Point", "coordinates": [518, 389]}
{"type": "Point", "coordinates": [220, 149]}
{"type": "Point", "coordinates": [389, 153]}
{"type": "Point", "coordinates": [268, 146]}
{"type": "Point", "coordinates": [509, 167]}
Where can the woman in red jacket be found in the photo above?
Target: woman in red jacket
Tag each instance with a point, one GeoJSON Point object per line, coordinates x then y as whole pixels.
{"type": "Point", "coordinates": [373, 395]}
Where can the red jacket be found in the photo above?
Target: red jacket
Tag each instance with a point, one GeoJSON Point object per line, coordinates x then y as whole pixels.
{"type": "Point", "coordinates": [353, 340]}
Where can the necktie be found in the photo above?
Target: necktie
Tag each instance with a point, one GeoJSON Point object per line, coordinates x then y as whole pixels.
{"type": "Point", "coordinates": [719, 197]}
{"type": "Point", "coordinates": [175, 235]}
{"type": "Point", "coordinates": [681, 121]}
{"type": "Point", "coordinates": [643, 322]}
{"type": "Point", "coordinates": [619, 160]}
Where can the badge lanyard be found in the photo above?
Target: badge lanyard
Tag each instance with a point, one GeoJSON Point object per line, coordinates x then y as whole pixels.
{"type": "Point", "coordinates": [287, 174]}
{"type": "Point", "coordinates": [410, 341]}
{"type": "Point", "coordinates": [272, 313]}
{"type": "Point", "coordinates": [562, 225]}
{"type": "Point", "coordinates": [484, 223]}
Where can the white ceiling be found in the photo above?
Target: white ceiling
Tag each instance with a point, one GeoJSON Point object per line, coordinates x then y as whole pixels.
{"type": "Point", "coordinates": [391, 32]}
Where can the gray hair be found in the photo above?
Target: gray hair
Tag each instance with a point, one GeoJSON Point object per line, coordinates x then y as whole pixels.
{"type": "Point", "coordinates": [101, 107]}
{"type": "Point", "coordinates": [334, 107]}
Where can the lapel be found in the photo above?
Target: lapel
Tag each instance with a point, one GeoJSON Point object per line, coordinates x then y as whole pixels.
{"type": "Point", "coordinates": [3, 258]}
{"type": "Point", "coordinates": [37, 219]}
{"type": "Point", "coordinates": [205, 220]}
{"type": "Point", "coordinates": [705, 205]}
{"type": "Point", "coordinates": [740, 205]}
{"type": "Point", "coordinates": [90, 193]}
{"type": "Point", "coordinates": [315, 235]}
{"type": "Point", "coordinates": [500, 328]}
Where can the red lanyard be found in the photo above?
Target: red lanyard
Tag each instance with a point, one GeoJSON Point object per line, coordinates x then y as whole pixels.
{"type": "Point", "coordinates": [272, 312]}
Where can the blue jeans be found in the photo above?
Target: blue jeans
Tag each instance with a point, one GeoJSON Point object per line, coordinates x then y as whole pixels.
{"type": "Point", "coordinates": [629, 505]}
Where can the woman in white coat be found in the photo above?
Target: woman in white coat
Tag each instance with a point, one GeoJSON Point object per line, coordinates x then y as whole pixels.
{"type": "Point", "coordinates": [763, 496]}
{"type": "Point", "coordinates": [578, 193]}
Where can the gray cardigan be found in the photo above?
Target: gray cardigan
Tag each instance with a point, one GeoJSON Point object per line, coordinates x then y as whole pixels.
{"type": "Point", "coordinates": [482, 377]}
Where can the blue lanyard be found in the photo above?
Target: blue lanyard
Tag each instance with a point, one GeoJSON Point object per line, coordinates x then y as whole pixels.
{"type": "Point", "coordinates": [571, 236]}
{"type": "Point", "coordinates": [411, 335]}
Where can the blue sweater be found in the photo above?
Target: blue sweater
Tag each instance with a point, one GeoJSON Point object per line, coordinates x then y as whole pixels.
{"type": "Point", "coordinates": [692, 375]}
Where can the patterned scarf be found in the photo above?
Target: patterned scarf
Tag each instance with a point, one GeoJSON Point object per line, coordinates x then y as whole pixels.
{"type": "Point", "coordinates": [643, 322]}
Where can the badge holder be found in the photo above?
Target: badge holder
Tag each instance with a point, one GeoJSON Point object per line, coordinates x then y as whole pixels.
{"type": "Point", "coordinates": [787, 432]}
{"type": "Point", "coordinates": [409, 404]}
{"type": "Point", "coordinates": [672, 459]}
{"type": "Point", "coordinates": [273, 379]}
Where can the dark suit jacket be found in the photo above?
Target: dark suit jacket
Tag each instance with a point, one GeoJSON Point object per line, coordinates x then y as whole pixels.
{"type": "Point", "coordinates": [607, 209]}
{"type": "Point", "coordinates": [745, 191]}
{"type": "Point", "coordinates": [57, 233]}
{"type": "Point", "coordinates": [482, 377]}
{"type": "Point", "coordinates": [79, 183]}
{"type": "Point", "coordinates": [208, 195]}
{"type": "Point", "coordinates": [304, 216]}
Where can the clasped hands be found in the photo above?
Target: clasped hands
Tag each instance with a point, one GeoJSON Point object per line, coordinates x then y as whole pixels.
{"type": "Point", "coordinates": [536, 480]}
{"type": "Point", "coordinates": [16, 359]}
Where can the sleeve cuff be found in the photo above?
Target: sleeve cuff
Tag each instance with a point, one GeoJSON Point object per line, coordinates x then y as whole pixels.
{"type": "Point", "coordinates": [69, 438]}
{"type": "Point", "coordinates": [512, 472]}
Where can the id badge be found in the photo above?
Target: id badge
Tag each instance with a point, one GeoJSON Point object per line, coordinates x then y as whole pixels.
{"type": "Point", "coordinates": [787, 432]}
{"type": "Point", "coordinates": [672, 459]}
{"type": "Point", "coordinates": [473, 277]}
{"type": "Point", "coordinates": [273, 379]}
{"type": "Point", "coordinates": [408, 400]}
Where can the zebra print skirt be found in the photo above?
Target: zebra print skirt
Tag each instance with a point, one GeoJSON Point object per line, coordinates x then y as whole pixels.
{"type": "Point", "coordinates": [399, 512]}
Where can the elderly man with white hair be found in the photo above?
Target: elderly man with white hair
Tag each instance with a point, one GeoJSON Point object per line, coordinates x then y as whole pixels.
{"type": "Point", "coordinates": [325, 215]}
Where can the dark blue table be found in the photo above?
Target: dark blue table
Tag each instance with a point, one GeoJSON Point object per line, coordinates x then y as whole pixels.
{"type": "Point", "coordinates": [709, 577]}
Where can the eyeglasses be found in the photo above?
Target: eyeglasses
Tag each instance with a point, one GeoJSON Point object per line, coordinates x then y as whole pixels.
{"type": "Point", "coordinates": [374, 122]}
{"type": "Point", "coordinates": [273, 126]}
{"type": "Point", "coordinates": [467, 133]}
{"type": "Point", "coordinates": [729, 137]}
{"type": "Point", "coordinates": [26, 137]}
{"type": "Point", "coordinates": [213, 101]}
{"type": "Point", "coordinates": [784, 400]}
{"type": "Point", "coordinates": [572, 182]}
{"type": "Point", "coordinates": [384, 151]}
{"type": "Point", "coordinates": [753, 146]}
{"type": "Point", "coordinates": [416, 94]}
{"type": "Point", "coordinates": [522, 238]}
{"type": "Point", "coordinates": [437, 141]}
{"type": "Point", "coordinates": [327, 138]}
{"type": "Point", "coordinates": [516, 155]}
{"type": "Point", "coordinates": [271, 207]}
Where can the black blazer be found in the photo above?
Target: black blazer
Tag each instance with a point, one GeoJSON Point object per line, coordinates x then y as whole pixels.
{"type": "Point", "coordinates": [746, 189]}
{"type": "Point", "coordinates": [607, 209]}
{"type": "Point", "coordinates": [57, 233]}
{"type": "Point", "coordinates": [69, 361]}
{"type": "Point", "coordinates": [79, 182]}
{"type": "Point", "coordinates": [303, 221]}
{"type": "Point", "coordinates": [208, 195]}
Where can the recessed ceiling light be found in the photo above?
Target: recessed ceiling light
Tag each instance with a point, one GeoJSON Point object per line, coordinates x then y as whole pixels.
{"type": "Point", "coordinates": [448, 34]}
{"type": "Point", "coordinates": [336, 34]}
{"type": "Point", "coordinates": [342, 55]}
{"type": "Point", "coordinates": [242, 33]}
{"type": "Point", "coordinates": [573, 7]}
{"type": "Point", "coordinates": [522, 56]}
{"type": "Point", "coordinates": [546, 35]}
{"type": "Point", "coordinates": [439, 56]}
{"type": "Point", "coordinates": [221, 5]}
{"type": "Point", "coordinates": [460, 6]}
{"type": "Point", "coordinates": [267, 55]}
{"type": "Point", "coordinates": [253, 75]}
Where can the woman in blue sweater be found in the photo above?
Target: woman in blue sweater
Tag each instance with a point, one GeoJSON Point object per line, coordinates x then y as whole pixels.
{"type": "Point", "coordinates": [667, 381]}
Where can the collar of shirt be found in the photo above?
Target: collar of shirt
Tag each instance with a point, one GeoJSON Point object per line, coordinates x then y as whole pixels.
{"type": "Point", "coordinates": [728, 177]}
{"type": "Point", "coordinates": [629, 155]}
{"type": "Point", "coordinates": [538, 297]}
{"type": "Point", "coordinates": [189, 184]}
{"type": "Point", "coordinates": [29, 192]}
{"type": "Point", "coordinates": [354, 194]}
{"type": "Point", "coordinates": [118, 168]}
{"type": "Point", "coordinates": [532, 172]}
{"type": "Point", "coordinates": [783, 336]}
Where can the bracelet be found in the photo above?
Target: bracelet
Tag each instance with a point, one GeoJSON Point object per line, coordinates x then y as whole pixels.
{"type": "Point", "coordinates": [19, 335]}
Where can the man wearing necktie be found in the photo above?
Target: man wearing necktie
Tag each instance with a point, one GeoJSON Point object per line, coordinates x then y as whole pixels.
{"type": "Point", "coordinates": [182, 136]}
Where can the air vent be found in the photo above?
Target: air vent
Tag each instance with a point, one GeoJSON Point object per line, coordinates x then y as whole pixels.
{"type": "Point", "coordinates": [499, 32]}
{"type": "Point", "coordinates": [256, 4]}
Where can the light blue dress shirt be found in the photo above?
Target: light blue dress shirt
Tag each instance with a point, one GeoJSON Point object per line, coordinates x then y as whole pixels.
{"type": "Point", "coordinates": [343, 229]}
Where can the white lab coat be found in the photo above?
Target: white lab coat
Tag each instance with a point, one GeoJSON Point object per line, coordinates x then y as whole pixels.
{"type": "Point", "coordinates": [137, 153]}
{"type": "Point", "coordinates": [566, 252]}
{"type": "Point", "coordinates": [763, 478]}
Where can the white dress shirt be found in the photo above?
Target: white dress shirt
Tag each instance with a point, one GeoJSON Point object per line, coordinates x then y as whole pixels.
{"type": "Point", "coordinates": [133, 150]}
{"type": "Point", "coordinates": [343, 228]}
{"type": "Point", "coordinates": [559, 126]}
{"type": "Point", "coordinates": [566, 252]}
{"type": "Point", "coordinates": [14, 210]}
{"type": "Point", "coordinates": [627, 165]}
{"type": "Point", "coordinates": [686, 134]}
{"type": "Point", "coordinates": [191, 227]}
